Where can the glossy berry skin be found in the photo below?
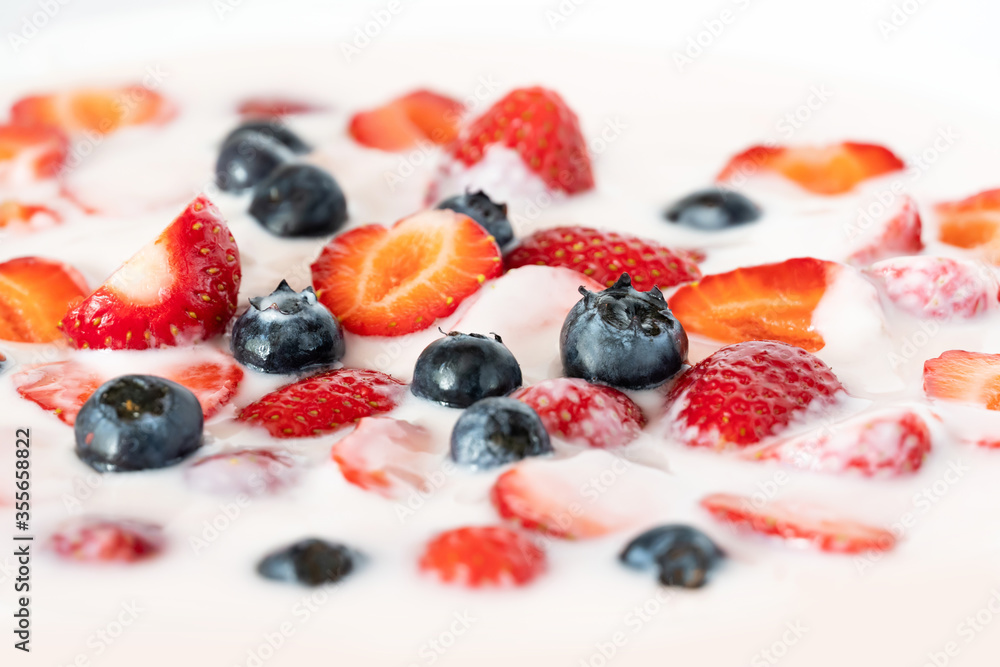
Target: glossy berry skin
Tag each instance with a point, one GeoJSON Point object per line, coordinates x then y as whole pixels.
{"type": "Point", "coordinates": [491, 216]}
{"type": "Point", "coordinates": [460, 369]}
{"type": "Point", "coordinates": [287, 332]}
{"type": "Point", "coordinates": [276, 131]}
{"type": "Point", "coordinates": [623, 338]}
{"type": "Point", "coordinates": [496, 431]}
{"type": "Point", "coordinates": [683, 555]}
{"type": "Point", "coordinates": [299, 200]}
{"type": "Point", "coordinates": [310, 562]}
{"type": "Point", "coordinates": [712, 209]}
{"type": "Point", "coordinates": [246, 159]}
{"type": "Point", "coordinates": [138, 422]}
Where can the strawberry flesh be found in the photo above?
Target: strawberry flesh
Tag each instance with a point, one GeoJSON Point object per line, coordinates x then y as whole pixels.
{"type": "Point", "coordinates": [938, 288]}
{"type": "Point", "coordinates": [900, 235]}
{"type": "Point", "coordinates": [40, 150]}
{"type": "Point", "coordinates": [404, 122]}
{"type": "Point", "coordinates": [972, 223]}
{"type": "Point", "coordinates": [34, 295]}
{"type": "Point", "coordinates": [966, 377]}
{"type": "Point", "coordinates": [101, 110]}
{"type": "Point", "coordinates": [107, 541]}
{"type": "Point", "coordinates": [388, 456]}
{"type": "Point", "coordinates": [479, 556]}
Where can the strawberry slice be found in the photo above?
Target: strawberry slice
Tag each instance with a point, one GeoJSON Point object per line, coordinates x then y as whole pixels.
{"type": "Point", "coordinates": [972, 223]}
{"type": "Point", "coordinates": [477, 556]}
{"type": "Point", "coordinates": [63, 387]}
{"type": "Point", "coordinates": [96, 540]}
{"type": "Point", "coordinates": [938, 288]}
{"type": "Point", "coordinates": [15, 213]}
{"type": "Point", "coordinates": [101, 110]}
{"type": "Point", "coordinates": [271, 107]}
{"type": "Point", "coordinates": [405, 121]}
{"type": "Point", "coordinates": [604, 256]}
{"type": "Point", "coordinates": [34, 295]}
{"type": "Point", "coordinates": [542, 129]}
{"type": "Point", "coordinates": [393, 281]}
{"type": "Point", "coordinates": [766, 302]}
{"type": "Point", "coordinates": [898, 235]}
{"type": "Point", "coordinates": [584, 414]}
{"type": "Point", "coordinates": [35, 152]}
{"type": "Point", "coordinates": [746, 392]}
{"type": "Point", "coordinates": [826, 170]}
{"type": "Point", "coordinates": [966, 377]}
{"type": "Point", "coordinates": [177, 290]}
{"type": "Point", "coordinates": [324, 403]}
{"type": "Point", "coordinates": [800, 523]}
{"type": "Point", "coordinates": [889, 443]}
{"type": "Point", "coordinates": [252, 472]}
{"type": "Point", "coordinates": [388, 456]}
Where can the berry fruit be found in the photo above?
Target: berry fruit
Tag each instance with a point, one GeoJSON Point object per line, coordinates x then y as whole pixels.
{"type": "Point", "coordinates": [276, 131]}
{"type": "Point", "coordinates": [623, 338]}
{"type": "Point", "coordinates": [491, 216]}
{"type": "Point", "coordinates": [389, 456]}
{"type": "Point", "coordinates": [246, 159]}
{"type": "Point", "coordinates": [98, 540]}
{"type": "Point", "coordinates": [937, 288]}
{"type": "Point", "coordinates": [683, 555]}
{"type": "Point", "coordinates": [496, 431]}
{"type": "Point", "coordinates": [460, 369]}
{"type": "Point", "coordinates": [406, 121]}
{"type": "Point", "coordinates": [252, 472]}
{"type": "Point", "coordinates": [38, 152]}
{"type": "Point", "coordinates": [100, 110]}
{"type": "Point", "coordinates": [972, 223]}
{"type": "Point", "coordinates": [478, 556]}
{"type": "Point", "coordinates": [138, 422]}
{"type": "Point", "coordinates": [310, 562]}
{"type": "Point", "coordinates": [299, 200]}
{"type": "Point", "coordinates": [964, 377]}
{"type": "Point", "coordinates": [287, 332]}
{"type": "Point", "coordinates": [712, 209]}
{"type": "Point", "coordinates": [34, 295]}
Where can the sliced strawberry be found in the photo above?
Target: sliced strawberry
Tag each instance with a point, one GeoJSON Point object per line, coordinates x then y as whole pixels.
{"type": "Point", "coordinates": [393, 281]}
{"type": "Point", "coordinates": [388, 456]}
{"type": "Point", "coordinates": [37, 152]}
{"type": "Point", "coordinates": [101, 110]}
{"type": "Point", "coordinates": [252, 472]}
{"type": "Point", "coordinates": [177, 290]}
{"type": "Point", "coordinates": [324, 403]}
{"type": "Point", "coordinates": [746, 392]}
{"type": "Point", "coordinates": [419, 116]}
{"type": "Point", "coordinates": [799, 523]}
{"type": "Point", "coordinates": [966, 377]}
{"type": "Point", "coordinates": [900, 234]}
{"type": "Point", "coordinates": [604, 256]}
{"type": "Point", "coordinates": [271, 107]}
{"type": "Point", "coordinates": [766, 302]}
{"type": "Point", "coordinates": [889, 443]}
{"type": "Point", "coordinates": [62, 387]}
{"type": "Point", "coordinates": [973, 222]}
{"type": "Point", "coordinates": [478, 556]}
{"type": "Point", "coordinates": [34, 295]}
{"type": "Point", "coordinates": [544, 131]}
{"type": "Point", "coordinates": [584, 414]}
{"type": "Point", "coordinates": [96, 540]}
{"type": "Point", "coordinates": [15, 213]}
{"type": "Point", "coordinates": [938, 288]}
{"type": "Point", "coordinates": [826, 170]}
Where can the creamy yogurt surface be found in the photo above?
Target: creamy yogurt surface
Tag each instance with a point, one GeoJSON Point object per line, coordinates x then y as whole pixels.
{"type": "Point", "coordinates": [655, 136]}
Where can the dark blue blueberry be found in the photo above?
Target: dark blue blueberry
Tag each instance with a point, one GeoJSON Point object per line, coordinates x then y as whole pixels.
{"type": "Point", "coordinates": [287, 332]}
{"type": "Point", "coordinates": [246, 159]}
{"type": "Point", "coordinates": [623, 338]}
{"type": "Point", "coordinates": [311, 562]}
{"type": "Point", "coordinates": [299, 200]}
{"type": "Point", "coordinates": [713, 208]}
{"type": "Point", "coordinates": [138, 422]}
{"type": "Point", "coordinates": [683, 555]}
{"type": "Point", "coordinates": [460, 369]}
{"type": "Point", "coordinates": [277, 131]}
{"type": "Point", "coordinates": [491, 217]}
{"type": "Point", "coordinates": [496, 431]}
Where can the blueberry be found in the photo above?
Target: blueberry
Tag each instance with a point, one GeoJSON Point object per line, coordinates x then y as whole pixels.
{"type": "Point", "coordinates": [713, 208]}
{"type": "Point", "coordinates": [246, 159]}
{"type": "Point", "coordinates": [287, 332]}
{"type": "Point", "coordinates": [683, 555]}
{"type": "Point", "coordinates": [622, 337]}
{"type": "Point", "coordinates": [460, 369]}
{"type": "Point", "coordinates": [276, 131]}
{"type": "Point", "coordinates": [311, 562]}
{"type": "Point", "coordinates": [299, 200]}
{"type": "Point", "coordinates": [138, 422]}
{"type": "Point", "coordinates": [498, 430]}
{"type": "Point", "coordinates": [491, 217]}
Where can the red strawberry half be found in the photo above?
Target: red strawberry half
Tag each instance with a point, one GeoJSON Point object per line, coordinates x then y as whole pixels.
{"type": "Point", "coordinates": [30, 152]}
{"type": "Point", "coordinates": [604, 256]}
{"type": "Point", "coordinates": [746, 392]}
{"type": "Point", "coordinates": [888, 443]}
{"type": "Point", "coordinates": [797, 523]}
{"type": "Point", "coordinates": [393, 281]}
{"type": "Point", "coordinates": [95, 540]}
{"type": "Point", "coordinates": [965, 377]}
{"type": "Point", "coordinates": [101, 110]}
{"type": "Point", "coordinates": [825, 170]}
{"type": "Point", "coordinates": [179, 289]}
{"type": "Point", "coordinates": [388, 456]}
{"type": "Point", "coordinates": [542, 129]}
{"type": "Point", "coordinates": [324, 403]}
{"type": "Point", "coordinates": [938, 288]}
{"type": "Point", "coordinates": [34, 295]}
{"type": "Point", "coordinates": [972, 223]}
{"type": "Point", "coordinates": [900, 234]}
{"type": "Point", "coordinates": [478, 556]}
{"type": "Point", "coordinates": [584, 414]}
{"type": "Point", "coordinates": [419, 116]}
